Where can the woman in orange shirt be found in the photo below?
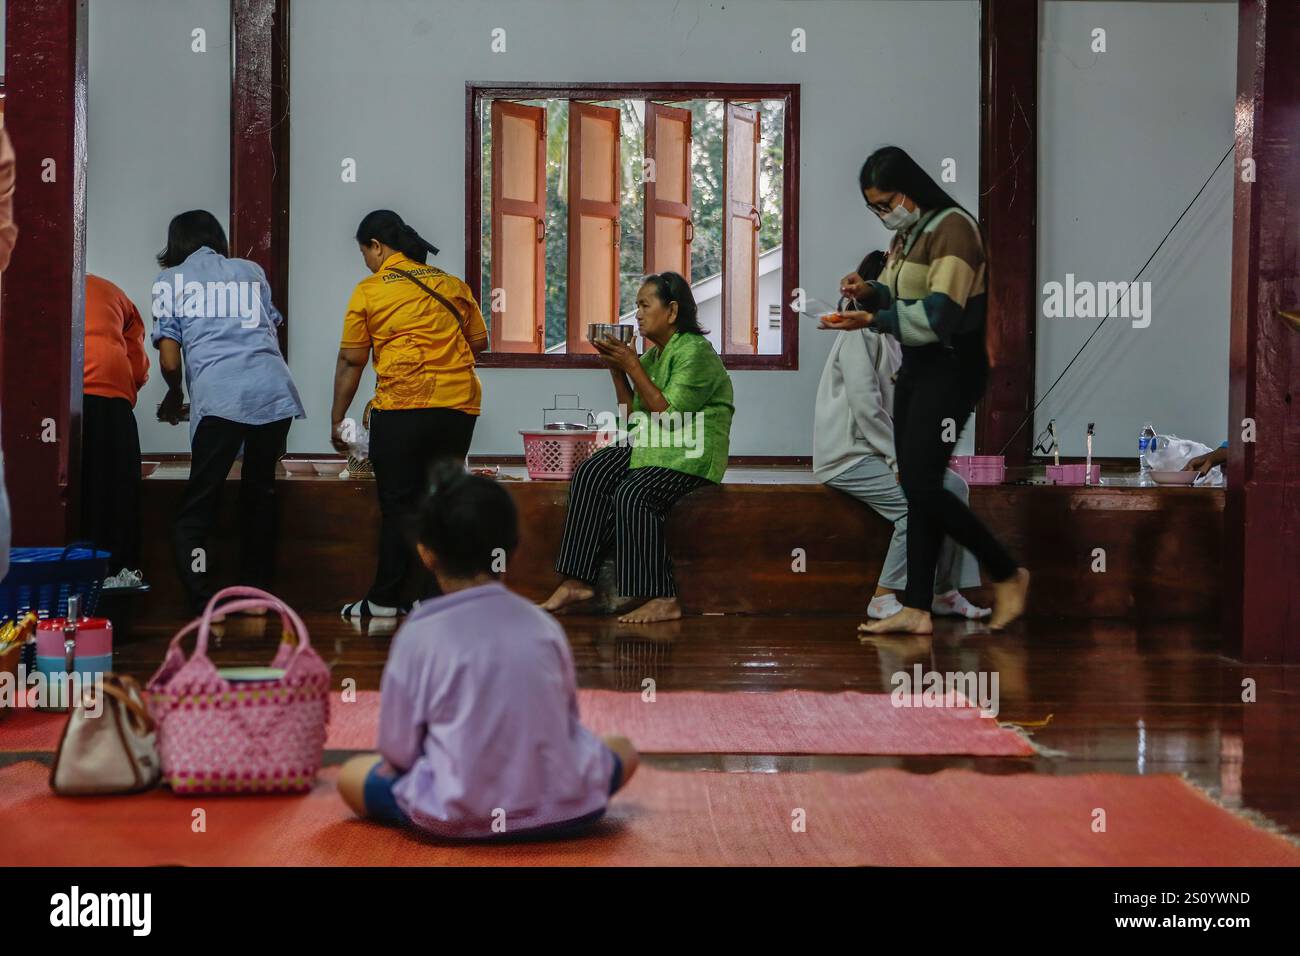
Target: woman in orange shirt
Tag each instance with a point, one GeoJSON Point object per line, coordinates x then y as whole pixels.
{"type": "Point", "coordinates": [116, 368]}
{"type": "Point", "coordinates": [423, 328]}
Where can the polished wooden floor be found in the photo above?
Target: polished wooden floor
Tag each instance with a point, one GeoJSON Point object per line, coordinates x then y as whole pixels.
{"type": "Point", "coordinates": [1121, 697]}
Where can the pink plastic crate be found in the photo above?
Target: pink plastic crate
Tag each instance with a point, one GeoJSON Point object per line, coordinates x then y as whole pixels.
{"type": "Point", "coordinates": [554, 454]}
{"type": "Point", "coordinates": [980, 469]}
{"type": "Point", "coordinates": [1072, 474]}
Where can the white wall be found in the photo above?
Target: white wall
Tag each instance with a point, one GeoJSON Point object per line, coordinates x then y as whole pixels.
{"type": "Point", "coordinates": [1126, 137]}
{"type": "Point", "coordinates": [383, 82]}
{"type": "Point", "coordinates": [158, 131]}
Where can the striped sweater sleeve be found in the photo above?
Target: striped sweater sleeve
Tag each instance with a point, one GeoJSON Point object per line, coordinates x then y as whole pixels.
{"type": "Point", "coordinates": [955, 257]}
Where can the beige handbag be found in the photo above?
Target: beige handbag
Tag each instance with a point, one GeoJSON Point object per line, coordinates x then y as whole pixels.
{"type": "Point", "coordinates": [108, 745]}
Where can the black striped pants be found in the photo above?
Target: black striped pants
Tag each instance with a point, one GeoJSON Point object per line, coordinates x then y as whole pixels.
{"type": "Point", "coordinates": [610, 501]}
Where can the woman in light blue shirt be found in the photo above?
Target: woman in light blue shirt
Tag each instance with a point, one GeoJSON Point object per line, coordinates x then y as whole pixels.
{"type": "Point", "coordinates": [213, 315]}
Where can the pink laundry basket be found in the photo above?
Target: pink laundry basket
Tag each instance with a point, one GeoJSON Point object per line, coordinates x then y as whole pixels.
{"type": "Point", "coordinates": [555, 454]}
{"type": "Point", "coordinates": [567, 438]}
{"type": "Point", "coordinates": [258, 736]}
{"type": "Point", "coordinates": [980, 469]}
{"type": "Point", "coordinates": [1072, 474]}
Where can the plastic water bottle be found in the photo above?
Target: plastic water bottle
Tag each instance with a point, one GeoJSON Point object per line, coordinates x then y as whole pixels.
{"type": "Point", "coordinates": [1146, 445]}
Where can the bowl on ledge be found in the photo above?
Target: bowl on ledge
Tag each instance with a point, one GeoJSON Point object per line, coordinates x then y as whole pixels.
{"type": "Point", "coordinates": [298, 466]}
{"type": "Point", "coordinates": [329, 469]}
{"type": "Point", "coordinates": [1173, 477]}
{"type": "Point", "coordinates": [147, 468]}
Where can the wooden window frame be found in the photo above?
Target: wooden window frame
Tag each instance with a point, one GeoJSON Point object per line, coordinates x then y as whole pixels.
{"type": "Point", "coordinates": [477, 92]}
{"type": "Point", "coordinates": [536, 211]}
{"type": "Point", "coordinates": [581, 207]}
{"type": "Point", "coordinates": [729, 216]}
{"type": "Point", "coordinates": [655, 206]}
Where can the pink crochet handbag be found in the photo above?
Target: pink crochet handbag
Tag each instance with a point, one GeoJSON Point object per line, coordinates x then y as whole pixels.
{"type": "Point", "coordinates": [249, 736]}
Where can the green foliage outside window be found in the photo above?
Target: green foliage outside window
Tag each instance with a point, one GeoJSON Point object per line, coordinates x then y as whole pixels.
{"type": "Point", "coordinates": [707, 197]}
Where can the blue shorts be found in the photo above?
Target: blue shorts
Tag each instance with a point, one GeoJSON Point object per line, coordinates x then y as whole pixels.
{"type": "Point", "coordinates": [381, 805]}
{"type": "Point", "coordinates": [377, 793]}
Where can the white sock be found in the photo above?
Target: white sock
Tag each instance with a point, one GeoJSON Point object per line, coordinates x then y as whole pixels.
{"type": "Point", "coordinates": [883, 606]}
{"type": "Point", "coordinates": [359, 609]}
{"type": "Point", "coordinates": [954, 604]}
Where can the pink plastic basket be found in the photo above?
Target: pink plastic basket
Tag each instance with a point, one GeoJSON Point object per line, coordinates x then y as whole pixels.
{"type": "Point", "coordinates": [1072, 474]}
{"type": "Point", "coordinates": [980, 469]}
{"type": "Point", "coordinates": [554, 454]}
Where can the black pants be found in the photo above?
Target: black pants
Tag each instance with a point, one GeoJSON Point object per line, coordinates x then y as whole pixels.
{"type": "Point", "coordinates": [110, 479]}
{"type": "Point", "coordinates": [610, 502]}
{"type": "Point", "coordinates": [404, 444]}
{"type": "Point", "coordinates": [936, 391]}
{"type": "Point", "coordinates": [216, 445]}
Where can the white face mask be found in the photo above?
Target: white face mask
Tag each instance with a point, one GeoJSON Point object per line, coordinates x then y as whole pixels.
{"type": "Point", "coordinates": [900, 217]}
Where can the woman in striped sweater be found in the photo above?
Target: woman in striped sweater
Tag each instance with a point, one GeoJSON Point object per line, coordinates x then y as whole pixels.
{"type": "Point", "coordinates": [931, 298]}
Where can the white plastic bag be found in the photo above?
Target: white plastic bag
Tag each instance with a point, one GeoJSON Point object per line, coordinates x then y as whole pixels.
{"type": "Point", "coordinates": [360, 447]}
{"type": "Point", "coordinates": [1172, 453]}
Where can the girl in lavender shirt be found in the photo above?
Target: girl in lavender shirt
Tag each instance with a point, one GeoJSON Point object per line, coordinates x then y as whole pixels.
{"type": "Point", "coordinates": [479, 733]}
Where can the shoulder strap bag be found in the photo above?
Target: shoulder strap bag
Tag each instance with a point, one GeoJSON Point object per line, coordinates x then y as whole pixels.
{"type": "Point", "coordinates": [446, 302]}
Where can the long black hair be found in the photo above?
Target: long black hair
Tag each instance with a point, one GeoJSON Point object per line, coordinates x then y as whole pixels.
{"type": "Point", "coordinates": [872, 265]}
{"type": "Point", "coordinates": [189, 232]}
{"type": "Point", "coordinates": [890, 169]}
{"type": "Point", "coordinates": [466, 519]}
{"type": "Point", "coordinates": [671, 287]}
{"type": "Point", "coordinates": [386, 226]}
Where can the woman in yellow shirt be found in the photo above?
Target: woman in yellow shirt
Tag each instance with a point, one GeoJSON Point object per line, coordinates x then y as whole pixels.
{"type": "Point", "coordinates": [423, 329]}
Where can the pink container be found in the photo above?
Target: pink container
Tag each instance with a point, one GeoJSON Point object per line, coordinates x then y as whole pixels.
{"type": "Point", "coordinates": [554, 454]}
{"type": "Point", "coordinates": [980, 469]}
{"type": "Point", "coordinates": [94, 637]}
{"type": "Point", "coordinates": [89, 655]}
{"type": "Point", "coordinates": [1072, 474]}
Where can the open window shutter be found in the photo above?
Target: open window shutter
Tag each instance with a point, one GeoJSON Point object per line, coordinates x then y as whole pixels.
{"type": "Point", "coordinates": [668, 226]}
{"type": "Point", "coordinates": [518, 226]}
{"type": "Point", "coordinates": [595, 182]}
{"type": "Point", "coordinates": [740, 228]}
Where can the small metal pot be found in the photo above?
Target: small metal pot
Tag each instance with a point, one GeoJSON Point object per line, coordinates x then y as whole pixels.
{"type": "Point", "coordinates": [599, 330]}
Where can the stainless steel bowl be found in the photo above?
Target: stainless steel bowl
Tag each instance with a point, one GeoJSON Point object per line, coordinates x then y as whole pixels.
{"type": "Point", "coordinates": [599, 330]}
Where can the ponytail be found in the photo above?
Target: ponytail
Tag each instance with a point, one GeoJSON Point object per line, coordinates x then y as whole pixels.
{"type": "Point", "coordinates": [387, 227]}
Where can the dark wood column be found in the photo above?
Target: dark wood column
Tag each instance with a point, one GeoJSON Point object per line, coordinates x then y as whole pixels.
{"type": "Point", "coordinates": [1008, 214]}
{"type": "Point", "coordinates": [42, 332]}
{"type": "Point", "coordinates": [259, 142]}
{"type": "Point", "coordinates": [1262, 515]}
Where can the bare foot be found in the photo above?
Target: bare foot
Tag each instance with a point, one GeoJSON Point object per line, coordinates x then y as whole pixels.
{"type": "Point", "coordinates": [1009, 599]}
{"type": "Point", "coordinates": [627, 754]}
{"type": "Point", "coordinates": [655, 609]}
{"type": "Point", "coordinates": [909, 620]}
{"type": "Point", "coordinates": [570, 591]}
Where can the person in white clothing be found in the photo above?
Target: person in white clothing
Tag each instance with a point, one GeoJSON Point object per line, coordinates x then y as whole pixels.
{"type": "Point", "coordinates": [853, 452]}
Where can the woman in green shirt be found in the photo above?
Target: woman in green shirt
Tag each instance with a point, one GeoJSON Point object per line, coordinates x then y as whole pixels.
{"type": "Point", "coordinates": [679, 429]}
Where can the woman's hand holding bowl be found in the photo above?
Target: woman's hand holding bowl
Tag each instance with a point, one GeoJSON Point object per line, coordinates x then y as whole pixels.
{"type": "Point", "coordinates": [616, 354]}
